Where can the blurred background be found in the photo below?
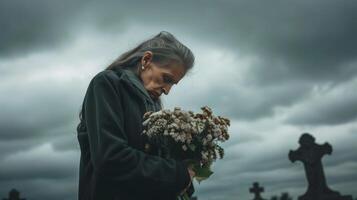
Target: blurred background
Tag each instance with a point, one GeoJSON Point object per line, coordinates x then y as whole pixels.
{"type": "Point", "coordinates": [276, 68]}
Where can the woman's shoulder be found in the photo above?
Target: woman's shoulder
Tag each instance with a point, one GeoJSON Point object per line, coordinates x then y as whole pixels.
{"type": "Point", "coordinates": [112, 77]}
{"type": "Point", "coordinates": [109, 75]}
{"type": "Point", "coordinates": [120, 79]}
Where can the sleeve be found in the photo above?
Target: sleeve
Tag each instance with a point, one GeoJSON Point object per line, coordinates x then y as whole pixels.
{"type": "Point", "coordinates": [113, 159]}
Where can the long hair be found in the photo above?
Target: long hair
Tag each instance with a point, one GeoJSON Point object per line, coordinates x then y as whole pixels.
{"type": "Point", "coordinates": [165, 48]}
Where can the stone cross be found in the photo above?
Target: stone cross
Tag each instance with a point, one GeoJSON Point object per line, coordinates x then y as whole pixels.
{"type": "Point", "coordinates": [256, 190]}
{"type": "Point", "coordinates": [285, 196]}
{"type": "Point", "coordinates": [14, 195]}
{"type": "Point", "coordinates": [310, 154]}
{"type": "Point", "coordinates": [274, 198]}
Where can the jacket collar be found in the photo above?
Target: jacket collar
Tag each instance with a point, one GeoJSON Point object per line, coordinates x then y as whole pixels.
{"type": "Point", "coordinates": [136, 82]}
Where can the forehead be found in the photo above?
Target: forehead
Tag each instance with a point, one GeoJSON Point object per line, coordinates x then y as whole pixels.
{"type": "Point", "coordinates": [177, 70]}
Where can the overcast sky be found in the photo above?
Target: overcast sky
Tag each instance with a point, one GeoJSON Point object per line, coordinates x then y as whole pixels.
{"type": "Point", "coordinates": [277, 69]}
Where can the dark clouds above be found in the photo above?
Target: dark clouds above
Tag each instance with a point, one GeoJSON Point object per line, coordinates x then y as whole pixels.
{"type": "Point", "coordinates": [277, 70]}
{"type": "Point", "coordinates": [286, 36]}
{"type": "Point", "coordinates": [35, 25]}
{"type": "Point", "coordinates": [314, 41]}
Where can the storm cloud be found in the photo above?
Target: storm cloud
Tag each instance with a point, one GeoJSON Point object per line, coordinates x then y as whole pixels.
{"type": "Point", "coordinates": [277, 69]}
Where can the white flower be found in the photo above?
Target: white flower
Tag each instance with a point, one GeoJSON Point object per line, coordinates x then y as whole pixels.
{"type": "Point", "coordinates": [204, 155]}
{"type": "Point", "coordinates": [188, 130]}
{"type": "Point", "coordinates": [176, 121]}
{"type": "Point", "coordinates": [184, 147]}
{"type": "Point", "coordinates": [146, 122]}
{"type": "Point", "coordinates": [204, 141]}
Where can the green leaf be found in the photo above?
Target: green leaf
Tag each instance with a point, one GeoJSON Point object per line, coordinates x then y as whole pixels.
{"type": "Point", "coordinates": [186, 197]}
{"type": "Point", "coordinates": [192, 147]}
{"type": "Point", "coordinates": [191, 163]}
{"type": "Point", "coordinates": [202, 173]}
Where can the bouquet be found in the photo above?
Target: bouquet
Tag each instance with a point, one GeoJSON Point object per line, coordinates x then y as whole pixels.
{"type": "Point", "coordinates": [188, 136]}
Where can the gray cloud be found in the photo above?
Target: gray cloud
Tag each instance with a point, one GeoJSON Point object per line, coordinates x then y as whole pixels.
{"type": "Point", "coordinates": [327, 107]}
{"type": "Point", "coordinates": [35, 25]}
{"type": "Point", "coordinates": [276, 70]}
{"type": "Point", "coordinates": [313, 41]}
{"type": "Point", "coordinates": [317, 44]}
{"type": "Point", "coordinates": [238, 99]}
{"type": "Point", "coordinates": [39, 163]}
{"type": "Point", "coordinates": [36, 112]}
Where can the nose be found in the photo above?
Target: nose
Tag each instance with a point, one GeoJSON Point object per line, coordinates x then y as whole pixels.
{"type": "Point", "coordinates": [166, 89]}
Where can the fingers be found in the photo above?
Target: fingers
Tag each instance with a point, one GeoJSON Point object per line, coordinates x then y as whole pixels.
{"type": "Point", "coordinates": [183, 191]}
{"type": "Point", "coordinates": [192, 173]}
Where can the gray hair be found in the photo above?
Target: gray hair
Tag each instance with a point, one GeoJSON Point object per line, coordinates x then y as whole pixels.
{"type": "Point", "coordinates": [165, 48]}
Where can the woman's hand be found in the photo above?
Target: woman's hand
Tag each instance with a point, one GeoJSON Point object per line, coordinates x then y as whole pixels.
{"type": "Point", "coordinates": [192, 174]}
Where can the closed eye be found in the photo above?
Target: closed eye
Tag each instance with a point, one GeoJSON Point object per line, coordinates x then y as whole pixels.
{"type": "Point", "coordinates": [168, 80]}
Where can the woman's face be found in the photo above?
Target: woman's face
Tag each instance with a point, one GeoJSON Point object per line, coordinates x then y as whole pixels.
{"type": "Point", "coordinates": [158, 80]}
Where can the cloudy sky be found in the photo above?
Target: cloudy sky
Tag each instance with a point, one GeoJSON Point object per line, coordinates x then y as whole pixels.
{"type": "Point", "coordinates": [277, 69]}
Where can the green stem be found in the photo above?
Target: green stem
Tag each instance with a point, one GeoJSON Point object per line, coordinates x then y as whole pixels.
{"type": "Point", "coordinates": [184, 197]}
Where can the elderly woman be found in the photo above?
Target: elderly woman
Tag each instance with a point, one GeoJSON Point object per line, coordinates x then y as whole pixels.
{"type": "Point", "coordinates": [113, 164]}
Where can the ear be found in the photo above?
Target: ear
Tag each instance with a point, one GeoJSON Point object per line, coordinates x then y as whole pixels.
{"type": "Point", "coordinates": [146, 59]}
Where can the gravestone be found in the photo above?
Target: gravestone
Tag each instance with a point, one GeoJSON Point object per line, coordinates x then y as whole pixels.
{"type": "Point", "coordinates": [14, 195]}
{"type": "Point", "coordinates": [285, 196]}
{"type": "Point", "coordinates": [274, 198]}
{"type": "Point", "coordinates": [256, 190]}
{"type": "Point", "coordinates": [310, 154]}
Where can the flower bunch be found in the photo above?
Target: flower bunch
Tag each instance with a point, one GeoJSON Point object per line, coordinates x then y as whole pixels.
{"type": "Point", "coordinates": [185, 135]}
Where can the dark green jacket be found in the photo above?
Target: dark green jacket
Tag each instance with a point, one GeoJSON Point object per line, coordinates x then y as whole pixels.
{"type": "Point", "coordinates": [113, 165]}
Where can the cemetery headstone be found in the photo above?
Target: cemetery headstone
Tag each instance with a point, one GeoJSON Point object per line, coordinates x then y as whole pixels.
{"type": "Point", "coordinates": [274, 198]}
{"type": "Point", "coordinates": [256, 190]}
{"type": "Point", "coordinates": [14, 195]}
{"type": "Point", "coordinates": [285, 196]}
{"type": "Point", "coordinates": [310, 154]}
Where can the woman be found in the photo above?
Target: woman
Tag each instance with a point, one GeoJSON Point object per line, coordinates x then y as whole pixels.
{"type": "Point", "coordinates": [113, 164]}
